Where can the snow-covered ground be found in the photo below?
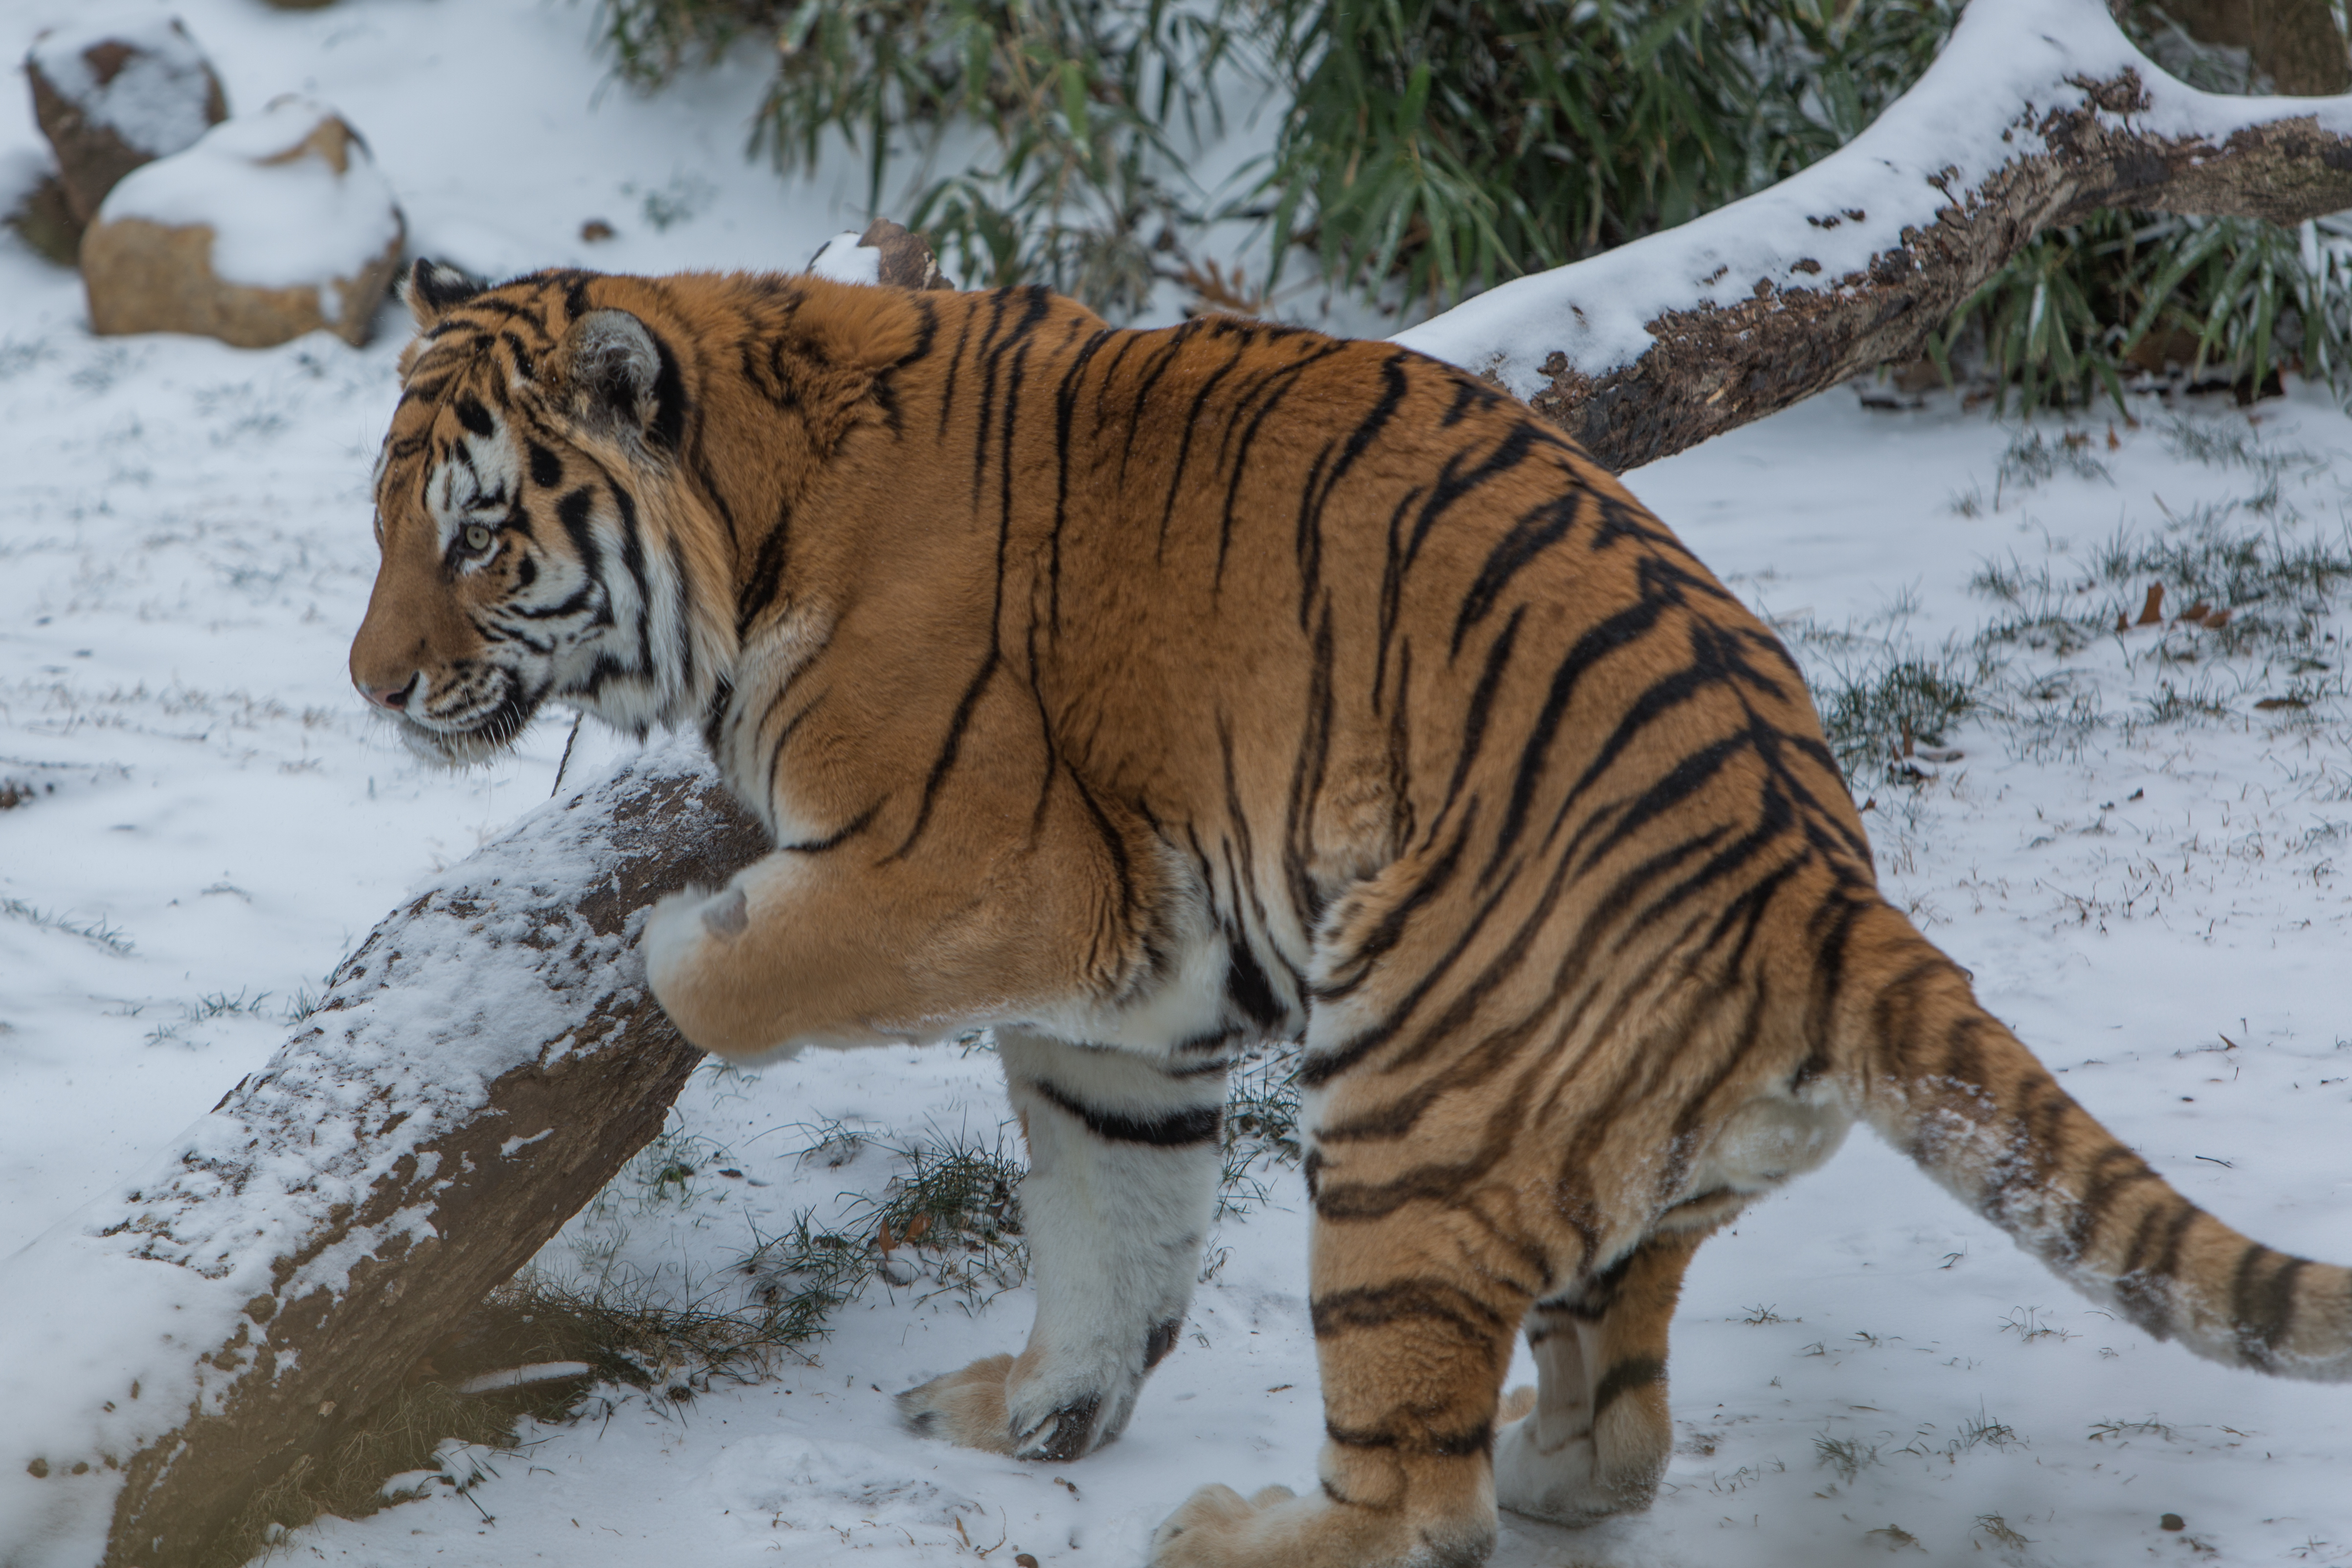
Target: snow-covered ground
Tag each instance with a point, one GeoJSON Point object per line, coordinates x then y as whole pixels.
{"type": "Point", "coordinates": [2139, 865]}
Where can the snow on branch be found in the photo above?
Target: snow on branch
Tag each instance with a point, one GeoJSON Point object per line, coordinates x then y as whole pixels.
{"type": "Point", "coordinates": [484, 1063]}
{"type": "Point", "coordinates": [2036, 112]}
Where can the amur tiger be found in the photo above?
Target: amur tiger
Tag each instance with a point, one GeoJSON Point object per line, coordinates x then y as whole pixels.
{"type": "Point", "coordinates": [1145, 695]}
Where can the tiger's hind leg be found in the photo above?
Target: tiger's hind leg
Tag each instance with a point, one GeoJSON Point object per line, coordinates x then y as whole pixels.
{"type": "Point", "coordinates": [1123, 1165]}
{"type": "Point", "coordinates": [1418, 1289]}
{"type": "Point", "coordinates": [1598, 1439]}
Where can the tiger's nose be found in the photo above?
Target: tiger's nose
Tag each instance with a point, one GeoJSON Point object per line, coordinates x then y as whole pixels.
{"type": "Point", "coordinates": [392, 697]}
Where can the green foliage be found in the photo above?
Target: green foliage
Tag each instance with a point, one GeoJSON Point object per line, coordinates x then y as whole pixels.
{"type": "Point", "coordinates": [1434, 147]}
{"type": "Point", "coordinates": [2084, 309]}
{"type": "Point", "coordinates": [1875, 716]}
{"type": "Point", "coordinates": [1261, 1128]}
{"type": "Point", "coordinates": [1455, 143]}
{"type": "Point", "coordinates": [1072, 104]}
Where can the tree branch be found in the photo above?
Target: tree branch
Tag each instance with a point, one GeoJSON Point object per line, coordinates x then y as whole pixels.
{"type": "Point", "coordinates": [2036, 112]}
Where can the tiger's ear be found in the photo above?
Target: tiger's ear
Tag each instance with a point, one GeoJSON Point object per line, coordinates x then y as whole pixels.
{"type": "Point", "coordinates": [618, 380]}
{"type": "Point", "coordinates": [435, 288]}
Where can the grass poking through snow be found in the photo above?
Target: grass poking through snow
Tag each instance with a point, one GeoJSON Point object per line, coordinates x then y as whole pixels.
{"type": "Point", "coordinates": [2223, 605]}
{"type": "Point", "coordinates": [97, 933]}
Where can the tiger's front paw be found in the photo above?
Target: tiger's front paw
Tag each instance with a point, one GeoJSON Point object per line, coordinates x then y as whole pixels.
{"type": "Point", "coordinates": [966, 1408]}
{"type": "Point", "coordinates": [997, 1404]}
{"type": "Point", "coordinates": [696, 962]}
{"type": "Point", "coordinates": [681, 927]}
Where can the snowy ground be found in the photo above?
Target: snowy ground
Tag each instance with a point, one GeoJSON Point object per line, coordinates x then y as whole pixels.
{"type": "Point", "coordinates": [2139, 864]}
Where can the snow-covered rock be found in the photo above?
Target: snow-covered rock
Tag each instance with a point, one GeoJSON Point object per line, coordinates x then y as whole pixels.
{"type": "Point", "coordinates": [270, 226]}
{"type": "Point", "coordinates": [119, 87]}
{"type": "Point", "coordinates": [885, 252]}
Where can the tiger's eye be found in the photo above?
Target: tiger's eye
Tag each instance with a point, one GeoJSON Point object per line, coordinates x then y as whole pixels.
{"type": "Point", "coordinates": [477, 537]}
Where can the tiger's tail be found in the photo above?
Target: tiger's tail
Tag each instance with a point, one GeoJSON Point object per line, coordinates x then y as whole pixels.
{"type": "Point", "coordinates": [1946, 1083]}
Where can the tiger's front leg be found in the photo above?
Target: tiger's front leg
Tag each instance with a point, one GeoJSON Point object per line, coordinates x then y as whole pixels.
{"type": "Point", "coordinates": [1123, 1165]}
{"type": "Point", "coordinates": [853, 944]}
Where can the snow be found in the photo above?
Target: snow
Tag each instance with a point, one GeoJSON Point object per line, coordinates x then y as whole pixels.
{"type": "Point", "coordinates": [279, 221]}
{"type": "Point", "coordinates": [402, 1052]}
{"type": "Point", "coordinates": [156, 102]}
{"type": "Point", "coordinates": [212, 822]}
{"type": "Point", "coordinates": [843, 260]}
{"type": "Point", "coordinates": [2007, 63]}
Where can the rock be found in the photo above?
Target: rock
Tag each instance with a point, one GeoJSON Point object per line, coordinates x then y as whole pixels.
{"type": "Point", "coordinates": [884, 253]}
{"type": "Point", "coordinates": [42, 217]}
{"type": "Point", "coordinates": [116, 88]}
{"type": "Point", "coordinates": [907, 261]}
{"type": "Point", "coordinates": [271, 225]}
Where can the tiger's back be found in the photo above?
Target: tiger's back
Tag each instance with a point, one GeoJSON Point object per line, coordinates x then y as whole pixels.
{"type": "Point", "coordinates": [1143, 694]}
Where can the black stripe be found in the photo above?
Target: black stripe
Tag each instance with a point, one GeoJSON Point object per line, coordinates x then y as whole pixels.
{"type": "Point", "coordinates": [834, 841]}
{"type": "Point", "coordinates": [633, 556]}
{"type": "Point", "coordinates": [1459, 1445]}
{"type": "Point", "coordinates": [667, 426]}
{"type": "Point", "coordinates": [1632, 1372]}
{"type": "Point", "coordinates": [1247, 987]}
{"type": "Point", "coordinates": [1530, 536]}
{"type": "Point", "coordinates": [1452, 484]}
{"type": "Point", "coordinates": [955, 364]}
{"type": "Point", "coordinates": [1289, 376]}
{"type": "Point", "coordinates": [2263, 1301]}
{"type": "Point", "coordinates": [1432, 1305]}
{"type": "Point", "coordinates": [572, 513]}
{"type": "Point", "coordinates": [1066, 403]}
{"type": "Point", "coordinates": [1173, 345]}
{"type": "Point", "coordinates": [1184, 446]}
{"type": "Point", "coordinates": [1171, 1129]}
{"type": "Point", "coordinates": [1621, 630]}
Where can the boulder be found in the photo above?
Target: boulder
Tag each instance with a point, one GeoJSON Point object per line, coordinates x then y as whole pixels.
{"type": "Point", "coordinates": [37, 209]}
{"type": "Point", "coordinates": [115, 89]}
{"type": "Point", "coordinates": [271, 225]}
{"type": "Point", "coordinates": [886, 254]}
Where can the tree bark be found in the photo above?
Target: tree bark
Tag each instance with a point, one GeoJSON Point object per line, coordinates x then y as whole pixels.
{"type": "Point", "coordinates": [2037, 112]}
{"type": "Point", "coordinates": [486, 1061]}
{"type": "Point", "coordinates": [2296, 43]}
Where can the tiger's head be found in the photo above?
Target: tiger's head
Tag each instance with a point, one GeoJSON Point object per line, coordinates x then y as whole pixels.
{"type": "Point", "coordinates": [538, 540]}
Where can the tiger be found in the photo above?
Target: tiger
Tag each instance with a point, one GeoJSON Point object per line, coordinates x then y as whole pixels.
{"type": "Point", "coordinates": [1153, 697]}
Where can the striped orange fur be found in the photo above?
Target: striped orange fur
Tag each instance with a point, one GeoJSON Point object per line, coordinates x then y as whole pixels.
{"type": "Point", "coordinates": [1147, 694]}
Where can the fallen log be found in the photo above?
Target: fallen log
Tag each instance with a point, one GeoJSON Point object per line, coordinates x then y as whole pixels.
{"type": "Point", "coordinates": [480, 1067]}
{"type": "Point", "coordinates": [2036, 112]}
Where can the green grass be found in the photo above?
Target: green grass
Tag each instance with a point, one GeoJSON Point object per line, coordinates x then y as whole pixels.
{"type": "Point", "coordinates": [2275, 575]}
{"type": "Point", "coordinates": [97, 932]}
{"type": "Point", "coordinates": [1261, 1128]}
{"type": "Point", "coordinates": [1878, 711]}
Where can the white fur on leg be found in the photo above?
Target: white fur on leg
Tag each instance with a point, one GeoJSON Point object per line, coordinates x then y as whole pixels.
{"type": "Point", "coordinates": [1121, 1184]}
{"type": "Point", "coordinates": [1116, 1224]}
